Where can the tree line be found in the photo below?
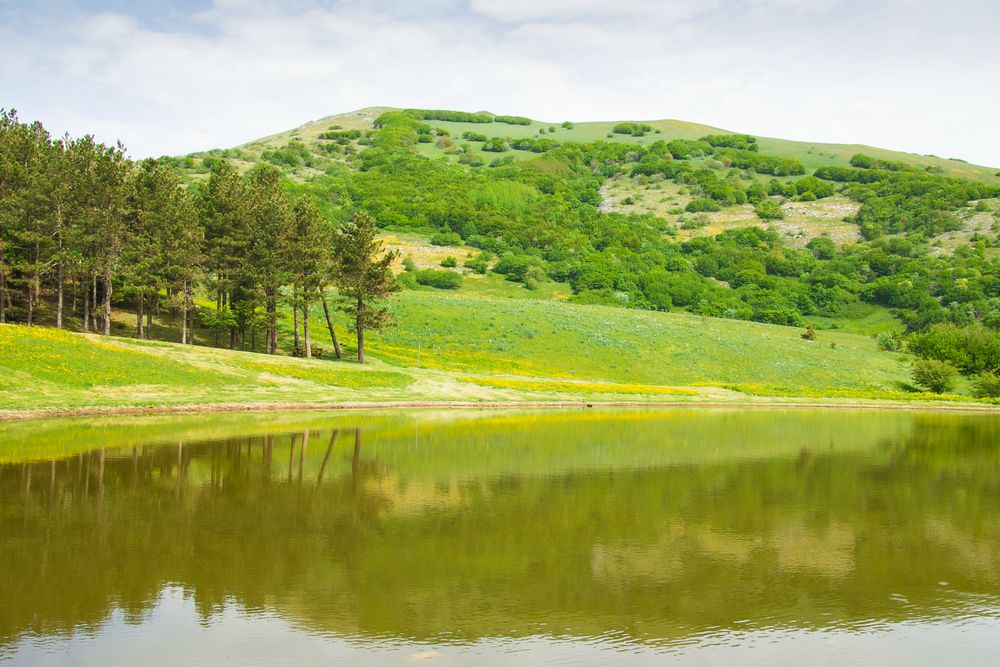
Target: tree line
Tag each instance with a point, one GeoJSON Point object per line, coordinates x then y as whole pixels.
{"type": "Point", "coordinates": [83, 227]}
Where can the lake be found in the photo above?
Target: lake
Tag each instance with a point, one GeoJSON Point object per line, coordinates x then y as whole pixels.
{"type": "Point", "coordinates": [588, 537]}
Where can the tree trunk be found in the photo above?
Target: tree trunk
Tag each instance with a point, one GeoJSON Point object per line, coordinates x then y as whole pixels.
{"type": "Point", "coordinates": [86, 310]}
{"type": "Point", "coordinates": [295, 319]}
{"type": "Point", "coordinates": [149, 315]}
{"type": "Point", "coordinates": [138, 314]}
{"type": "Point", "coordinates": [329, 325]}
{"type": "Point", "coordinates": [3, 286]}
{"type": "Point", "coordinates": [59, 294]}
{"type": "Point", "coordinates": [360, 324]}
{"type": "Point", "coordinates": [107, 302]}
{"type": "Point", "coordinates": [305, 328]}
{"type": "Point", "coordinates": [189, 304]}
{"type": "Point", "coordinates": [59, 269]}
{"type": "Point", "coordinates": [272, 323]}
{"type": "Point", "coordinates": [33, 283]}
{"type": "Point", "coordinates": [93, 302]}
{"type": "Point", "coordinates": [184, 315]}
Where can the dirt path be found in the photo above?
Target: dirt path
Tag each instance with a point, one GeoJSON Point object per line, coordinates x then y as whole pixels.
{"type": "Point", "coordinates": [16, 415]}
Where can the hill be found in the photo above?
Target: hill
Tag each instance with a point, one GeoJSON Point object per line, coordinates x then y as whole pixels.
{"type": "Point", "coordinates": [536, 260]}
{"type": "Point", "coordinates": [812, 154]}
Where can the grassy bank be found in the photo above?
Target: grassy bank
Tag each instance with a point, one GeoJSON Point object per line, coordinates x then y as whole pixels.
{"type": "Point", "coordinates": [479, 351]}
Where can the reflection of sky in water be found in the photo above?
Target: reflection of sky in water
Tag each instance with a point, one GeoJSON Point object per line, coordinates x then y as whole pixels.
{"type": "Point", "coordinates": [237, 637]}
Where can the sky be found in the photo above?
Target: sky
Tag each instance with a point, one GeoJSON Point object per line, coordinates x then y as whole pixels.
{"type": "Point", "coordinates": [176, 77]}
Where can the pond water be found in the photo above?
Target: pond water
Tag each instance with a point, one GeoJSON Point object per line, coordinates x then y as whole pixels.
{"type": "Point", "coordinates": [452, 538]}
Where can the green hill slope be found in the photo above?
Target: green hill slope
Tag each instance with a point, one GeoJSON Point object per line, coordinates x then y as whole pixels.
{"type": "Point", "coordinates": [460, 348]}
{"type": "Point", "coordinates": [811, 154]}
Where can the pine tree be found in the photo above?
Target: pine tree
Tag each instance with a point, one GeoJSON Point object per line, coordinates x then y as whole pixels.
{"type": "Point", "coordinates": [363, 275]}
{"type": "Point", "coordinates": [270, 220]}
{"type": "Point", "coordinates": [307, 252]}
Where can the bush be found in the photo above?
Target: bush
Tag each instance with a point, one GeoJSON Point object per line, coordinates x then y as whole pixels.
{"type": "Point", "coordinates": [889, 342]}
{"type": "Point", "coordinates": [809, 333]}
{"type": "Point", "coordinates": [974, 349]}
{"type": "Point", "coordinates": [635, 129]}
{"type": "Point", "coordinates": [986, 385]}
{"type": "Point", "coordinates": [768, 209]}
{"type": "Point", "coordinates": [408, 264]}
{"type": "Point", "coordinates": [518, 268]}
{"type": "Point", "coordinates": [446, 239]}
{"type": "Point", "coordinates": [480, 263]}
{"type": "Point", "coordinates": [702, 205]}
{"type": "Point", "coordinates": [933, 375]}
{"type": "Point", "coordinates": [439, 279]}
{"type": "Point", "coordinates": [496, 145]}
{"type": "Point", "coordinates": [449, 262]}
{"type": "Point", "coordinates": [512, 120]}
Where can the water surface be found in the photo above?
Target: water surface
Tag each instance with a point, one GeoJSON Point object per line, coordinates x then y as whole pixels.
{"type": "Point", "coordinates": [577, 538]}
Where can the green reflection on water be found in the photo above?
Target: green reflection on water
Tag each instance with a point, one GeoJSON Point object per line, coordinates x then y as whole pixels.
{"type": "Point", "coordinates": [653, 526]}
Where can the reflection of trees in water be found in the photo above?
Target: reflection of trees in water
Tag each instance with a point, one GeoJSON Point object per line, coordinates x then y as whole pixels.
{"type": "Point", "coordinates": [329, 533]}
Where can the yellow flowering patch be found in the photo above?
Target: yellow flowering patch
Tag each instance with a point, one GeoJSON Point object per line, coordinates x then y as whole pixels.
{"type": "Point", "coordinates": [72, 360]}
{"type": "Point", "coordinates": [845, 392]}
{"type": "Point", "coordinates": [569, 387]}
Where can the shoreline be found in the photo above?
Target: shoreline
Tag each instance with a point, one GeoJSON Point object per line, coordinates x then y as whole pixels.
{"type": "Point", "coordinates": [112, 411]}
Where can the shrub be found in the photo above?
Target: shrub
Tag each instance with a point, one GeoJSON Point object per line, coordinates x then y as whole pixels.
{"type": "Point", "coordinates": [768, 209]}
{"type": "Point", "coordinates": [449, 262]}
{"type": "Point", "coordinates": [567, 125]}
{"type": "Point", "coordinates": [933, 375]}
{"type": "Point", "coordinates": [809, 333]}
{"type": "Point", "coordinates": [973, 349]}
{"type": "Point", "coordinates": [635, 129]}
{"type": "Point", "coordinates": [702, 205]}
{"type": "Point", "coordinates": [889, 342]}
{"type": "Point", "coordinates": [439, 279]}
{"type": "Point", "coordinates": [406, 281]}
{"type": "Point", "coordinates": [480, 263]}
{"type": "Point", "coordinates": [512, 120]}
{"type": "Point", "coordinates": [408, 264]}
{"type": "Point", "coordinates": [496, 145]}
{"type": "Point", "coordinates": [518, 268]}
{"type": "Point", "coordinates": [446, 238]}
{"type": "Point", "coordinates": [986, 385]}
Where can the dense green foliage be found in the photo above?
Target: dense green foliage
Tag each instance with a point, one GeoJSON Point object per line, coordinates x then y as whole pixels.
{"type": "Point", "coordinates": [539, 220]}
{"type": "Point", "coordinates": [933, 375]}
{"type": "Point", "coordinates": [80, 222]}
{"type": "Point", "coordinates": [635, 129]}
{"type": "Point", "coordinates": [971, 349]}
{"type": "Point", "coordinates": [439, 279]}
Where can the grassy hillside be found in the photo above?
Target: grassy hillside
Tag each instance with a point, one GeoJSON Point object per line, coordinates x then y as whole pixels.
{"type": "Point", "coordinates": [811, 154]}
{"type": "Point", "coordinates": [471, 348]}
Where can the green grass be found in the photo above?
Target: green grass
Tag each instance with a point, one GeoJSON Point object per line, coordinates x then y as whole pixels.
{"type": "Point", "coordinates": [811, 154]}
{"type": "Point", "coordinates": [47, 368]}
{"type": "Point", "coordinates": [481, 343]}
{"type": "Point", "coordinates": [470, 333]}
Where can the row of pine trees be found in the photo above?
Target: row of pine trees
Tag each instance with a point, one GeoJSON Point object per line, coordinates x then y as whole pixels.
{"type": "Point", "coordinates": [81, 225]}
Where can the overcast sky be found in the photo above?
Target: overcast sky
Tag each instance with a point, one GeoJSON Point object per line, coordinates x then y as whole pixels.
{"type": "Point", "coordinates": [174, 77]}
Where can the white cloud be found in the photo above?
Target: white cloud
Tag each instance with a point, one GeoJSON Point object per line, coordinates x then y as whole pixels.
{"type": "Point", "coordinates": [914, 76]}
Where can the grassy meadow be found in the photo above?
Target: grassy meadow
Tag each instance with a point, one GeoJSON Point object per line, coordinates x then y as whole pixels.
{"type": "Point", "coordinates": [491, 341]}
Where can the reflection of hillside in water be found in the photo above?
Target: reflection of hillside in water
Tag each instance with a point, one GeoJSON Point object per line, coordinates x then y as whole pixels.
{"type": "Point", "coordinates": [657, 528]}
